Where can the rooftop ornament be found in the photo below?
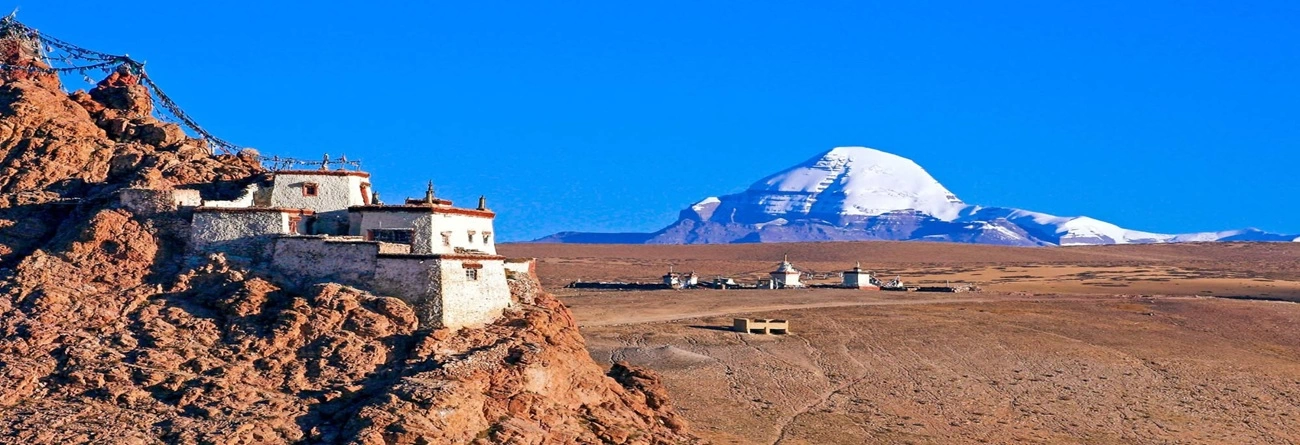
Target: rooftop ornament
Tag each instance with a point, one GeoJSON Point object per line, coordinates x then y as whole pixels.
{"type": "Point", "coordinates": [277, 163]}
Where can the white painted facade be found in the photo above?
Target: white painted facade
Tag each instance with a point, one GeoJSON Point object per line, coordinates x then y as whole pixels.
{"type": "Point", "coordinates": [436, 229]}
{"type": "Point", "coordinates": [335, 189]}
{"type": "Point", "coordinates": [857, 278]}
{"type": "Point", "coordinates": [785, 276]}
{"type": "Point", "coordinates": [472, 300]}
{"type": "Point", "coordinates": [444, 232]}
{"type": "Point", "coordinates": [315, 227]}
{"type": "Point", "coordinates": [329, 193]}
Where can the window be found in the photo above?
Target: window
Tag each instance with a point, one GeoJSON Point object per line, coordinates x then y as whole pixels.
{"type": "Point", "coordinates": [471, 274]}
{"type": "Point", "coordinates": [294, 221]}
{"type": "Point", "coordinates": [399, 236]}
{"type": "Point", "coordinates": [487, 237]}
{"type": "Point", "coordinates": [471, 236]}
{"type": "Point", "coordinates": [310, 189]}
{"type": "Point", "coordinates": [446, 238]}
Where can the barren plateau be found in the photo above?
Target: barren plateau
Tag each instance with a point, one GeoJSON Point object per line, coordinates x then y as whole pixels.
{"type": "Point", "coordinates": [1187, 343]}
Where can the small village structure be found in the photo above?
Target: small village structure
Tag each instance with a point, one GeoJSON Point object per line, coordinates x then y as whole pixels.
{"type": "Point", "coordinates": [785, 276]}
{"type": "Point", "coordinates": [674, 280]}
{"type": "Point", "coordinates": [857, 278]}
{"type": "Point", "coordinates": [320, 226]}
{"type": "Point", "coordinates": [761, 326]}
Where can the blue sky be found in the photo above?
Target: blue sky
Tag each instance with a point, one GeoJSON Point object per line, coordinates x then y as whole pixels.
{"type": "Point", "coordinates": [613, 116]}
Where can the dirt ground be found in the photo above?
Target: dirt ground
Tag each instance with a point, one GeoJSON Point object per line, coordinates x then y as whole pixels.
{"type": "Point", "coordinates": [1114, 344]}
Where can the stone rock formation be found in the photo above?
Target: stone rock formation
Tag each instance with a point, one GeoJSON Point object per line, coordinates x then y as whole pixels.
{"type": "Point", "coordinates": [110, 333]}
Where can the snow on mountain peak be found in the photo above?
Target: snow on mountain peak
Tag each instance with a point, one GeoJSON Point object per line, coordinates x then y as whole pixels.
{"type": "Point", "coordinates": [855, 181]}
{"type": "Point", "coordinates": [860, 193]}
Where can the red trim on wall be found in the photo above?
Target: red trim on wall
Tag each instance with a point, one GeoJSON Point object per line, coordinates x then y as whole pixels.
{"type": "Point", "coordinates": [466, 212]}
{"type": "Point", "coordinates": [449, 256]}
{"type": "Point", "coordinates": [425, 209]}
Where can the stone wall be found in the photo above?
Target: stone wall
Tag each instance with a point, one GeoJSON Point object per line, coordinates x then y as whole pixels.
{"type": "Point", "coordinates": [414, 280]}
{"type": "Point", "coordinates": [151, 202]}
{"type": "Point", "coordinates": [245, 234]}
{"type": "Point", "coordinates": [362, 222]}
{"type": "Point", "coordinates": [467, 302]}
{"type": "Point", "coordinates": [521, 267]}
{"type": "Point", "coordinates": [303, 261]}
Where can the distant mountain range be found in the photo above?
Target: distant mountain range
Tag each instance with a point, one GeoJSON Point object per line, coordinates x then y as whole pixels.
{"type": "Point", "coordinates": [863, 194]}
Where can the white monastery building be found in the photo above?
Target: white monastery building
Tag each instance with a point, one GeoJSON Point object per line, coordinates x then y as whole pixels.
{"type": "Point", "coordinates": [785, 276]}
{"type": "Point", "coordinates": [319, 226]}
{"type": "Point", "coordinates": [857, 278]}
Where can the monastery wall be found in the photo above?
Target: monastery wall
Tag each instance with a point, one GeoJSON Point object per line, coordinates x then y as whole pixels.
{"type": "Point", "coordinates": [414, 280]}
{"type": "Point", "coordinates": [303, 261]}
{"type": "Point", "coordinates": [362, 222]}
{"type": "Point", "coordinates": [244, 234]}
{"type": "Point", "coordinates": [443, 233]}
{"type": "Point", "coordinates": [520, 267]}
{"type": "Point", "coordinates": [150, 202]}
{"type": "Point", "coordinates": [467, 302]}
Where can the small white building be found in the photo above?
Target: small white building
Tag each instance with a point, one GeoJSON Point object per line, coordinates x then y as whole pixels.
{"type": "Point", "coordinates": [319, 226]}
{"type": "Point", "coordinates": [690, 280]}
{"type": "Point", "coordinates": [671, 279]}
{"type": "Point", "coordinates": [785, 276]}
{"type": "Point", "coordinates": [857, 278]}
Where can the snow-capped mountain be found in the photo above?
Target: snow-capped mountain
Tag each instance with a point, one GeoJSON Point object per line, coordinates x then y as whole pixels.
{"type": "Point", "coordinates": [859, 193]}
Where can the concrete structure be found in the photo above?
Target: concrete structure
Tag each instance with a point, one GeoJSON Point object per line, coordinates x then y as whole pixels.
{"type": "Point", "coordinates": [674, 280]}
{"type": "Point", "coordinates": [323, 226]}
{"type": "Point", "coordinates": [785, 276]}
{"type": "Point", "coordinates": [857, 278]}
{"type": "Point", "coordinates": [245, 233]}
{"type": "Point", "coordinates": [761, 326]}
{"type": "Point", "coordinates": [691, 280]}
{"type": "Point", "coordinates": [670, 279]}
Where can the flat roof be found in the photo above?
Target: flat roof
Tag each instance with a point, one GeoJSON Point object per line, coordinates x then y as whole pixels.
{"type": "Point", "coordinates": [423, 209]}
{"type": "Point", "coordinates": [322, 173]}
{"type": "Point", "coordinates": [443, 256]}
{"type": "Point", "coordinates": [254, 210]}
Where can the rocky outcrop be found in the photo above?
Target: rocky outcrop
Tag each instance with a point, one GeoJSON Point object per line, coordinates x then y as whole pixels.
{"type": "Point", "coordinates": [109, 334]}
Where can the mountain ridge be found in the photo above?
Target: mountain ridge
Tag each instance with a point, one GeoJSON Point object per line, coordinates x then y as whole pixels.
{"type": "Point", "coordinates": [865, 194]}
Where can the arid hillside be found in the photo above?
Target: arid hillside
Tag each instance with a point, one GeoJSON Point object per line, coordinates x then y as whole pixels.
{"type": "Point", "coordinates": [111, 333]}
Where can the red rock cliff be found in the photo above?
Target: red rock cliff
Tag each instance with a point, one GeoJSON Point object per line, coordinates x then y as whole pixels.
{"type": "Point", "coordinates": [108, 335]}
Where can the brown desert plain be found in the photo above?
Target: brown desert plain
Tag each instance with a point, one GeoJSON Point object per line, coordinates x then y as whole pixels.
{"type": "Point", "coordinates": [1171, 343]}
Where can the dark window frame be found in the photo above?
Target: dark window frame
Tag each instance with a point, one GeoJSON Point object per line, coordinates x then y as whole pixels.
{"type": "Point", "coordinates": [395, 236]}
